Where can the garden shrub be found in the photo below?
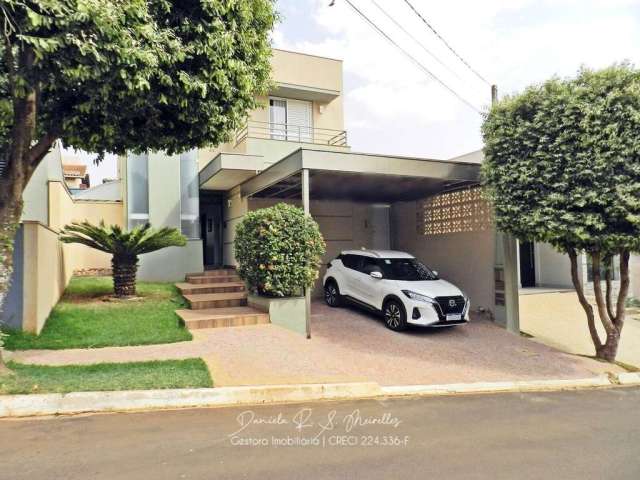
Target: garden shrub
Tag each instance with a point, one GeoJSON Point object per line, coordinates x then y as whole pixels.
{"type": "Point", "coordinates": [279, 250]}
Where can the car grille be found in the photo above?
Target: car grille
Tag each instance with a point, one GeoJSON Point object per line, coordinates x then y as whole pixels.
{"type": "Point", "coordinates": [445, 306]}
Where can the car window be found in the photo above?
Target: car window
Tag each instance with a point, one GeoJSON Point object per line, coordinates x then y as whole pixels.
{"type": "Point", "coordinates": [407, 269]}
{"type": "Point", "coordinates": [369, 265]}
{"type": "Point", "coordinates": [350, 261]}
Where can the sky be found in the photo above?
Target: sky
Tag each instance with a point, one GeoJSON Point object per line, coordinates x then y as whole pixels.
{"type": "Point", "coordinates": [392, 106]}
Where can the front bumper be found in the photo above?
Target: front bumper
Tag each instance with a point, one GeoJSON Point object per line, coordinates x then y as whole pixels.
{"type": "Point", "coordinates": [429, 315]}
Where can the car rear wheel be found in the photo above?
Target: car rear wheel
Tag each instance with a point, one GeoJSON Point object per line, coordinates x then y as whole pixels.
{"type": "Point", "coordinates": [395, 318]}
{"type": "Point", "coordinates": [332, 294]}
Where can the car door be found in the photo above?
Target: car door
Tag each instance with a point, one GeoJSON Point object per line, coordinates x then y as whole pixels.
{"type": "Point", "coordinates": [349, 280]}
{"type": "Point", "coordinates": [369, 288]}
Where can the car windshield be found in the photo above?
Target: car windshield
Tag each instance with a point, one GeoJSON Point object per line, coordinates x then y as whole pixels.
{"type": "Point", "coordinates": [408, 269]}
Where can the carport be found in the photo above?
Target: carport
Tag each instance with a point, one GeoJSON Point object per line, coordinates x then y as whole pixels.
{"type": "Point", "coordinates": [430, 208]}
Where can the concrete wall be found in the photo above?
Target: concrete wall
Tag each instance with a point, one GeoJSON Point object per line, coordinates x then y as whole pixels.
{"type": "Point", "coordinates": [171, 264]}
{"type": "Point", "coordinates": [35, 195]}
{"type": "Point", "coordinates": [464, 259]}
{"type": "Point", "coordinates": [291, 68]}
{"type": "Point", "coordinates": [46, 274]}
{"type": "Point", "coordinates": [553, 269]}
{"type": "Point", "coordinates": [63, 209]}
{"type": "Point", "coordinates": [13, 305]}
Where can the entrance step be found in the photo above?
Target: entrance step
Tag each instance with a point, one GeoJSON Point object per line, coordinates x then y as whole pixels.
{"type": "Point", "coordinates": [200, 279]}
{"type": "Point", "coordinates": [221, 287]}
{"type": "Point", "coordinates": [222, 317]}
{"type": "Point", "coordinates": [217, 272]}
{"type": "Point", "coordinates": [199, 301]}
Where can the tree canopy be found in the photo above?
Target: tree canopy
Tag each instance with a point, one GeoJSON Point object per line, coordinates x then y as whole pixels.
{"type": "Point", "coordinates": [562, 161]}
{"type": "Point", "coordinates": [136, 74]}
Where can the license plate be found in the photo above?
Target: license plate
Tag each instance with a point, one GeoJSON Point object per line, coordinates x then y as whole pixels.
{"type": "Point", "coordinates": [454, 316]}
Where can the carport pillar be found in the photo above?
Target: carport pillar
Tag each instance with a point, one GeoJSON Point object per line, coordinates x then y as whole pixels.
{"type": "Point", "coordinates": [506, 282]}
{"type": "Point", "coordinates": [307, 211]}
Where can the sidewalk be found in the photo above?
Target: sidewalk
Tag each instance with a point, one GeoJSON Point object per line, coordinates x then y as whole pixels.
{"type": "Point", "coordinates": [558, 320]}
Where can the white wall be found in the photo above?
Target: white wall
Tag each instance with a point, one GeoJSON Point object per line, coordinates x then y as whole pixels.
{"type": "Point", "coordinates": [464, 259]}
{"type": "Point", "coordinates": [553, 269]}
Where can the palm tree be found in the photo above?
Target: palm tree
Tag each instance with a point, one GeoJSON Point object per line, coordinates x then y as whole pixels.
{"type": "Point", "coordinates": [124, 246]}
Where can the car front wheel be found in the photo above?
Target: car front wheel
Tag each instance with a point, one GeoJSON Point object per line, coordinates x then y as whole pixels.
{"type": "Point", "coordinates": [394, 315]}
{"type": "Point", "coordinates": [332, 294]}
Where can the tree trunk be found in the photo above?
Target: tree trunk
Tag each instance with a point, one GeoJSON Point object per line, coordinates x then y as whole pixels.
{"type": "Point", "coordinates": [124, 275]}
{"type": "Point", "coordinates": [577, 283]}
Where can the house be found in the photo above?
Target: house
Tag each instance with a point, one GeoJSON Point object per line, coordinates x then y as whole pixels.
{"type": "Point", "coordinates": [293, 149]}
{"type": "Point", "coordinates": [75, 176]}
{"type": "Point", "coordinates": [541, 265]}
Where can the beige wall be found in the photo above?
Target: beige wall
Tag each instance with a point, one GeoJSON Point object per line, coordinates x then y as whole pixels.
{"type": "Point", "coordinates": [296, 69]}
{"type": "Point", "coordinates": [45, 274]}
{"type": "Point", "coordinates": [309, 70]}
{"type": "Point", "coordinates": [464, 259]}
{"type": "Point", "coordinates": [63, 210]}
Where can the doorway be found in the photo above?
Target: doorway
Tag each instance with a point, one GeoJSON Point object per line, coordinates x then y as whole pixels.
{"type": "Point", "coordinates": [527, 265]}
{"type": "Point", "coordinates": [211, 228]}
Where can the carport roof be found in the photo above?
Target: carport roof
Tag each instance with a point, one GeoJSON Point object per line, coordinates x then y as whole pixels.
{"type": "Point", "coordinates": [360, 176]}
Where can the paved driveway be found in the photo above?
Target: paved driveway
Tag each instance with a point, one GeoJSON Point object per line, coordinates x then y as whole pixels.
{"type": "Point", "coordinates": [350, 345]}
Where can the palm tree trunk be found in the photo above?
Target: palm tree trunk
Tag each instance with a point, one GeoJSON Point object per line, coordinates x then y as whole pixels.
{"type": "Point", "coordinates": [124, 275]}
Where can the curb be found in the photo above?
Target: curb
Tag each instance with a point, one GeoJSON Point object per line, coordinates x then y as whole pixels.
{"type": "Point", "coordinates": [631, 378]}
{"type": "Point", "coordinates": [498, 387]}
{"type": "Point", "coordinates": [137, 400]}
{"type": "Point", "coordinates": [93, 402]}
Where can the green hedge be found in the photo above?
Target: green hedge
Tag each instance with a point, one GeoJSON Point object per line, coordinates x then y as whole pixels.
{"type": "Point", "coordinates": [279, 250]}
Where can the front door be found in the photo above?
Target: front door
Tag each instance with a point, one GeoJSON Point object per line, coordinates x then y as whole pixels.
{"type": "Point", "coordinates": [211, 228]}
{"type": "Point", "coordinates": [527, 265]}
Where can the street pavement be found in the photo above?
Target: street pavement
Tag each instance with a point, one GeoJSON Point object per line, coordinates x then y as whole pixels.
{"type": "Point", "coordinates": [591, 434]}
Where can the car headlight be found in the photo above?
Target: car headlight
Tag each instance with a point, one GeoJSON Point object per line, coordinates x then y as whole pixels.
{"type": "Point", "coordinates": [418, 296]}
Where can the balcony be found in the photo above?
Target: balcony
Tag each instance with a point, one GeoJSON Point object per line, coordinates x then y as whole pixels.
{"type": "Point", "coordinates": [291, 133]}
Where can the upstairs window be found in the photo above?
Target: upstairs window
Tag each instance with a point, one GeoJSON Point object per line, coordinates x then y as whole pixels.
{"type": "Point", "coordinates": [291, 120]}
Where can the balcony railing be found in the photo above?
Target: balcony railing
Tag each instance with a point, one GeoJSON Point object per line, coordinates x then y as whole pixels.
{"type": "Point", "coordinates": [292, 133]}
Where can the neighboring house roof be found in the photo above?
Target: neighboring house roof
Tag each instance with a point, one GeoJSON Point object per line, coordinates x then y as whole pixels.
{"type": "Point", "coordinates": [74, 170]}
{"type": "Point", "coordinates": [110, 191]}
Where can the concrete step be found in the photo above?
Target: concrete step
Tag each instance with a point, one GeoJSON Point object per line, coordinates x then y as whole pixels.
{"type": "Point", "coordinates": [199, 279]}
{"type": "Point", "coordinates": [216, 300]}
{"type": "Point", "coordinates": [218, 272]}
{"type": "Point", "coordinates": [222, 317]}
{"type": "Point", "coordinates": [221, 287]}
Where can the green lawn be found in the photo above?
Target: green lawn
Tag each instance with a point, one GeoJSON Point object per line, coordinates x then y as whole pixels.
{"type": "Point", "coordinates": [88, 317]}
{"type": "Point", "coordinates": [190, 373]}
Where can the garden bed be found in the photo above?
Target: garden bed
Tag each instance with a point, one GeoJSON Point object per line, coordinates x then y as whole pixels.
{"type": "Point", "coordinates": [87, 316]}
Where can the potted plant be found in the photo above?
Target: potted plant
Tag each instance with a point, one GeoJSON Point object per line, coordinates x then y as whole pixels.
{"type": "Point", "coordinates": [279, 250]}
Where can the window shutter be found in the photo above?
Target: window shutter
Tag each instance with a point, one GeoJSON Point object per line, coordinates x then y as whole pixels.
{"type": "Point", "coordinates": [299, 121]}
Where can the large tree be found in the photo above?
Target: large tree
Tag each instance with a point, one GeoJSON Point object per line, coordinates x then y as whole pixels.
{"type": "Point", "coordinates": [562, 165]}
{"type": "Point", "coordinates": [122, 75]}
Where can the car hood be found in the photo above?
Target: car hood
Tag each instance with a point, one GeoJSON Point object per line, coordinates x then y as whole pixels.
{"type": "Point", "coordinates": [431, 288]}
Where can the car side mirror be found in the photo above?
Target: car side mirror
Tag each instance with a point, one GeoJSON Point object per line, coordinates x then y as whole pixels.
{"type": "Point", "coordinates": [376, 274]}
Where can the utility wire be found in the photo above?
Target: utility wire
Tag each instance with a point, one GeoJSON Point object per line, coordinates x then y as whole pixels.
{"type": "Point", "coordinates": [412, 58]}
{"type": "Point", "coordinates": [410, 35]}
{"type": "Point", "coordinates": [424, 20]}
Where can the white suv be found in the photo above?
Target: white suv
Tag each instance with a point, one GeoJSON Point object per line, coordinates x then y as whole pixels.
{"type": "Point", "coordinates": [396, 284]}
